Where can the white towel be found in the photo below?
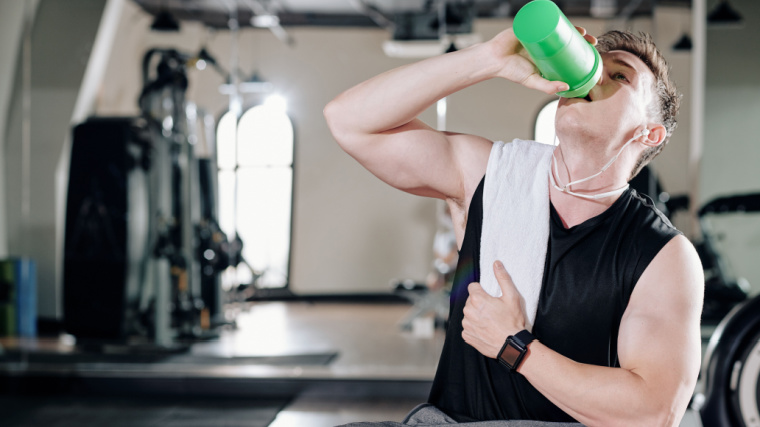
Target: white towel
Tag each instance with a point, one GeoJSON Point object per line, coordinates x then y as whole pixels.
{"type": "Point", "coordinates": [515, 226]}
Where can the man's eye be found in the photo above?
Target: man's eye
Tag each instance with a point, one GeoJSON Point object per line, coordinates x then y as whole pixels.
{"type": "Point", "coordinates": [620, 76]}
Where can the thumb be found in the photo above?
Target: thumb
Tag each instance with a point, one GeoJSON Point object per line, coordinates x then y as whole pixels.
{"type": "Point", "coordinates": [505, 280]}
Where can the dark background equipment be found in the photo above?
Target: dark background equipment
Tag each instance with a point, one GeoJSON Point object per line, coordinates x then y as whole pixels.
{"type": "Point", "coordinates": [106, 223]}
{"type": "Point", "coordinates": [143, 247]}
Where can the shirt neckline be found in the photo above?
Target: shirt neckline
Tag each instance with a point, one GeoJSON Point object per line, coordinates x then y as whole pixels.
{"type": "Point", "coordinates": [595, 220]}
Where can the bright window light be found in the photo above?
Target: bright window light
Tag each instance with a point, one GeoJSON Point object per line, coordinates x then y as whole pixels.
{"type": "Point", "coordinates": [544, 131]}
{"type": "Point", "coordinates": [276, 103]}
{"type": "Point", "coordinates": [265, 137]}
{"type": "Point", "coordinates": [227, 202]}
{"type": "Point", "coordinates": [255, 157]}
{"type": "Point", "coordinates": [264, 210]}
{"type": "Point", "coordinates": [225, 141]}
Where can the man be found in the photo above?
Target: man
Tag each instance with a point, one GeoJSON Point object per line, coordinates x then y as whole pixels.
{"type": "Point", "coordinates": [617, 338]}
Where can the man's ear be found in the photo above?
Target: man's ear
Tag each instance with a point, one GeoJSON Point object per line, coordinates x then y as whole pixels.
{"type": "Point", "coordinates": [657, 135]}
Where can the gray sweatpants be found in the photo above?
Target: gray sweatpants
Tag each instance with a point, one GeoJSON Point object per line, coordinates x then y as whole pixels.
{"type": "Point", "coordinates": [427, 415]}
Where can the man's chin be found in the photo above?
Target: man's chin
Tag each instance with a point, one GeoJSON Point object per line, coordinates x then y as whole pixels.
{"type": "Point", "coordinates": [571, 116]}
{"type": "Point", "coordinates": [573, 126]}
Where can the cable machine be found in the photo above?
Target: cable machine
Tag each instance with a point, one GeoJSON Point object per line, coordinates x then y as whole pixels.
{"type": "Point", "coordinates": [143, 248]}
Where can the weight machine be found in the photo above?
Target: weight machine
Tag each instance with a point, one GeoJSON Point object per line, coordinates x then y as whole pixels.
{"type": "Point", "coordinates": [143, 248]}
{"type": "Point", "coordinates": [730, 374]}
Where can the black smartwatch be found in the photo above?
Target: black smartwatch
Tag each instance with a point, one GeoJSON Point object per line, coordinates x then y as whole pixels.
{"type": "Point", "coordinates": [514, 349]}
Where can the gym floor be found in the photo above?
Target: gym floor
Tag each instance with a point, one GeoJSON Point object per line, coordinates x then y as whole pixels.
{"type": "Point", "coordinates": [379, 371]}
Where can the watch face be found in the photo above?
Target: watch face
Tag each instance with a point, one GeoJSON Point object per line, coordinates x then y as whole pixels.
{"type": "Point", "coordinates": [510, 354]}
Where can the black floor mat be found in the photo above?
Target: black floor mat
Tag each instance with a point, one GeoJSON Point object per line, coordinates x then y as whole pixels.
{"type": "Point", "coordinates": [57, 411]}
{"type": "Point", "coordinates": [318, 359]}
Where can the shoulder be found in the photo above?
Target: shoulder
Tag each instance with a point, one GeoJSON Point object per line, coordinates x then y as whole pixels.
{"type": "Point", "coordinates": [674, 277]}
{"type": "Point", "coordinates": [678, 252]}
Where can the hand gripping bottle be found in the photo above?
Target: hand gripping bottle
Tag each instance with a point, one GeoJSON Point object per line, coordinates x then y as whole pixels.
{"type": "Point", "coordinates": [559, 51]}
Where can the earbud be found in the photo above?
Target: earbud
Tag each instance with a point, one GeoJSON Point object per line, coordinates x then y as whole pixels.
{"type": "Point", "coordinates": [645, 132]}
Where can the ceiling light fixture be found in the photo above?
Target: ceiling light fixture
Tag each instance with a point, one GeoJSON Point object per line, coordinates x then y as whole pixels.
{"type": "Point", "coordinates": [724, 16]}
{"type": "Point", "coordinates": [165, 21]}
{"type": "Point", "coordinates": [265, 21]}
{"type": "Point", "coordinates": [683, 44]}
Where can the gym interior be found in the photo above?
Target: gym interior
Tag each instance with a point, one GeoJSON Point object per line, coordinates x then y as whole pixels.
{"type": "Point", "coordinates": [184, 243]}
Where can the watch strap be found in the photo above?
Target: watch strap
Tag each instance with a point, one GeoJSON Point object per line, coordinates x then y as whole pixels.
{"type": "Point", "coordinates": [524, 337]}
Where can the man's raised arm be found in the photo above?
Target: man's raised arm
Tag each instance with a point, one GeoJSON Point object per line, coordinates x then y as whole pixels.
{"type": "Point", "coordinates": [376, 121]}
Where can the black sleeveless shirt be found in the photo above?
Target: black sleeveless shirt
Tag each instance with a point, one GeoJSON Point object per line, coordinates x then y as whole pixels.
{"type": "Point", "coordinates": [590, 272]}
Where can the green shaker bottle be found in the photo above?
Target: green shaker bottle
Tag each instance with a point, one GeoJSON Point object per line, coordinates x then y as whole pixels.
{"type": "Point", "coordinates": [559, 51]}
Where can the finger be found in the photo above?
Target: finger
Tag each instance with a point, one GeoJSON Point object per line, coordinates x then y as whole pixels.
{"type": "Point", "coordinates": [534, 81]}
{"type": "Point", "coordinates": [475, 288]}
{"type": "Point", "coordinates": [467, 332]}
{"type": "Point", "coordinates": [589, 38]}
{"type": "Point", "coordinates": [504, 279]}
{"type": "Point", "coordinates": [468, 311]}
{"type": "Point", "coordinates": [470, 338]}
{"type": "Point", "coordinates": [466, 337]}
{"type": "Point", "coordinates": [475, 302]}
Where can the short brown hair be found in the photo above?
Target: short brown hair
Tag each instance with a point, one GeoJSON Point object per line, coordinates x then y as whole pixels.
{"type": "Point", "coordinates": [667, 99]}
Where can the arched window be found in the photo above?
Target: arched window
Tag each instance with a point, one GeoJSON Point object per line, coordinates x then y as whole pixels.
{"type": "Point", "coordinates": [255, 160]}
{"type": "Point", "coordinates": [544, 130]}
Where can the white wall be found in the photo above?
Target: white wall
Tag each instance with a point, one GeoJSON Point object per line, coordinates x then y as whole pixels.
{"type": "Point", "coordinates": [11, 29]}
{"type": "Point", "coordinates": [62, 37]}
{"type": "Point", "coordinates": [731, 159]}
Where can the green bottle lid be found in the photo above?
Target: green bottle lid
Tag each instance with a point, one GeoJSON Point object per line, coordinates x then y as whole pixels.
{"type": "Point", "coordinates": [559, 51]}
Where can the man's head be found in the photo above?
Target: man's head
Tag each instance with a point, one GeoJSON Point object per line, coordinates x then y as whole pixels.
{"type": "Point", "coordinates": [665, 99]}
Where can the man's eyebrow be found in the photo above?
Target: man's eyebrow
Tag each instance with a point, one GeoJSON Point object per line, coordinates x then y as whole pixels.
{"type": "Point", "coordinates": [624, 64]}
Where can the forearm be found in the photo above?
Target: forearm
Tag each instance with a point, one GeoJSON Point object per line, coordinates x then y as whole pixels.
{"type": "Point", "coordinates": [396, 97]}
{"type": "Point", "coordinates": [597, 395]}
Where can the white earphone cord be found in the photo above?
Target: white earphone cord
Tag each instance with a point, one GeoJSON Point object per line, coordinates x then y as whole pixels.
{"type": "Point", "coordinates": [566, 187]}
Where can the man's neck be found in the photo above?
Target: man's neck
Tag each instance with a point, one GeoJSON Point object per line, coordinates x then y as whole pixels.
{"type": "Point", "coordinates": [574, 164]}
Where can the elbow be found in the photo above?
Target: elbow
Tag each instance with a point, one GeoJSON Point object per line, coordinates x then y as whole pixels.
{"type": "Point", "coordinates": [343, 128]}
{"type": "Point", "coordinates": [670, 408]}
{"type": "Point", "coordinates": [667, 414]}
{"type": "Point", "coordinates": [330, 112]}
{"type": "Point", "coordinates": [332, 116]}
{"type": "Point", "coordinates": [654, 418]}
{"type": "Point", "coordinates": [667, 417]}
{"type": "Point", "coordinates": [664, 413]}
